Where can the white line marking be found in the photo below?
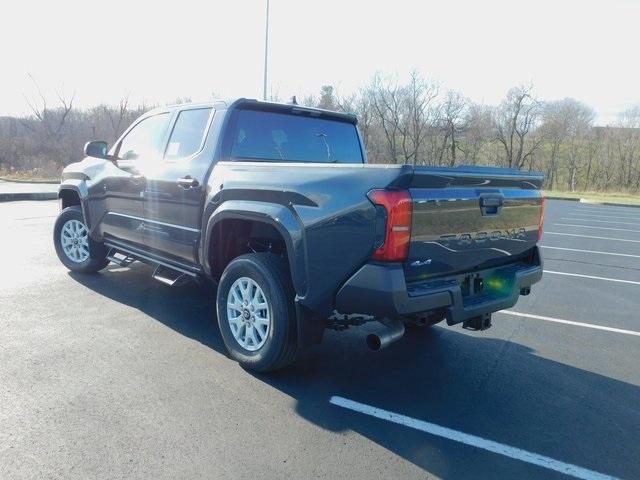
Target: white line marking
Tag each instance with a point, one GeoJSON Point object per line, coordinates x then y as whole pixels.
{"type": "Point", "coordinates": [599, 228]}
{"type": "Point", "coordinates": [593, 277]}
{"type": "Point", "coordinates": [569, 322]}
{"type": "Point", "coordinates": [591, 236]}
{"type": "Point", "coordinates": [597, 221]}
{"type": "Point", "coordinates": [591, 251]}
{"type": "Point", "coordinates": [597, 215]}
{"type": "Point", "coordinates": [605, 208]}
{"type": "Point", "coordinates": [36, 218]}
{"type": "Point", "coordinates": [616, 215]}
{"type": "Point", "coordinates": [596, 209]}
{"type": "Point", "coordinates": [471, 440]}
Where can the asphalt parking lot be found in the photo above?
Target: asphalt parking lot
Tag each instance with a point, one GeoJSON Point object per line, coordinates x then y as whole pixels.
{"type": "Point", "coordinates": [117, 376]}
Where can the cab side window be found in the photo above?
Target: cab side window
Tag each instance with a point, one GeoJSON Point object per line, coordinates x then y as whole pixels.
{"type": "Point", "coordinates": [188, 132]}
{"type": "Point", "coordinates": [145, 140]}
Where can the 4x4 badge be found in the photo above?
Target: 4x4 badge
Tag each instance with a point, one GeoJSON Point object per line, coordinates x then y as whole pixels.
{"type": "Point", "coordinates": [421, 263]}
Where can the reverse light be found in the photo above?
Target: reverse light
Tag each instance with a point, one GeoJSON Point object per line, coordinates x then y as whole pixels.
{"type": "Point", "coordinates": [541, 219]}
{"type": "Point", "coordinates": [398, 206]}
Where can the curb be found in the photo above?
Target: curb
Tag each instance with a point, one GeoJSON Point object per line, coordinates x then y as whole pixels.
{"type": "Point", "coordinates": [14, 180]}
{"type": "Point", "coordinates": [562, 198]}
{"type": "Point", "coordinates": [15, 197]}
{"type": "Point", "coordinates": [594, 202]}
{"type": "Point", "coordinates": [609, 204]}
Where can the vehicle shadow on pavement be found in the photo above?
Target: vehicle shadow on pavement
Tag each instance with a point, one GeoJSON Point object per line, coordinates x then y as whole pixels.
{"type": "Point", "coordinates": [493, 388]}
{"type": "Point", "coordinates": [472, 382]}
{"type": "Point", "coordinates": [189, 310]}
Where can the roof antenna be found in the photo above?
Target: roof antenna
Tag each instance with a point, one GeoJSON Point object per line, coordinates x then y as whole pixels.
{"type": "Point", "coordinates": [293, 100]}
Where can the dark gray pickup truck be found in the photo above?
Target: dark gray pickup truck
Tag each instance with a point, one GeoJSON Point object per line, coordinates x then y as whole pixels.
{"type": "Point", "coordinates": [276, 206]}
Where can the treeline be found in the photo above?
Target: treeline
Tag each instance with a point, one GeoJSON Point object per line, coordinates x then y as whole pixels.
{"type": "Point", "coordinates": [52, 137]}
{"type": "Point", "coordinates": [417, 122]}
{"type": "Point", "coordinates": [414, 121]}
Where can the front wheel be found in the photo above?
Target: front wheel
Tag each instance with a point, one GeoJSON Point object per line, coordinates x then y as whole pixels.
{"type": "Point", "coordinates": [256, 314]}
{"type": "Point", "coordinates": [73, 245]}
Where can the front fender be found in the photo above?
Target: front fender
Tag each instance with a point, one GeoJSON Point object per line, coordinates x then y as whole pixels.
{"type": "Point", "coordinates": [283, 219]}
{"type": "Point", "coordinates": [77, 185]}
{"type": "Point", "coordinates": [86, 178]}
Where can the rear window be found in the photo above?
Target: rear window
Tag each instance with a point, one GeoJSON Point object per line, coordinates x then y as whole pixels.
{"type": "Point", "coordinates": [282, 137]}
{"type": "Point", "coordinates": [187, 133]}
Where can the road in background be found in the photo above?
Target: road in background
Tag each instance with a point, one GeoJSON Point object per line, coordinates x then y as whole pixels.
{"type": "Point", "coordinates": [115, 375]}
{"type": "Point", "coordinates": [19, 191]}
{"type": "Point", "coordinates": [21, 187]}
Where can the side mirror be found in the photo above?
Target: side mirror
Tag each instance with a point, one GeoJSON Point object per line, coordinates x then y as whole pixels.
{"type": "Point", "coordinates": [97, 149]}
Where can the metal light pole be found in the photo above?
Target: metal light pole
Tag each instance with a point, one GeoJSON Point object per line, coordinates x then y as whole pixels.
{"type": "Point", "coordinates": [266, 51]}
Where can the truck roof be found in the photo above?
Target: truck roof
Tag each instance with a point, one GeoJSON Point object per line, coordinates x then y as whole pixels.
{"type": "Point", "coordinates": [262, 105]}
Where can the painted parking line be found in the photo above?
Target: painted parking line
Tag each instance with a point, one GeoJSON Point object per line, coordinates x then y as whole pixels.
{"type": "Point", "coordinates": [606, 279]}
{"type": "Point", "coordinates": [626, 211]}
{"type": "Point", "coordinates": [571, 322]}
{"type": "Point", "coordinates": [592, 236]}
{"type": "Point", "coordinates": [590, 251]}
{"type": "Point", "coordinates": [604, 215]}
{"type": "Point", "coordinates": [471, 440]}
{"type": "Point", "coordinates": [598, 228]}
{"type": "Point", "coordinates": [597, 221]}
{"type": "Point", "coordinates": [36, 218]}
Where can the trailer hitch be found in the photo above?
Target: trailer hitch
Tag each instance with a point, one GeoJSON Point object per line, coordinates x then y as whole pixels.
{"type": "Point", "coordinates": [481, 322]}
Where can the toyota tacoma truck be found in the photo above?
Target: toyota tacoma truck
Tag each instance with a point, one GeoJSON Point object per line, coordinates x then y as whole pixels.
{"type": "Point", "coordinates": [275, 206]}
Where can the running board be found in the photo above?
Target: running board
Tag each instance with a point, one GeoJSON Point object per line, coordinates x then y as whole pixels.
{"type": "Point", "coordinates": [119, 258]}
{"type": "Point", "coordinates": [170, 277]}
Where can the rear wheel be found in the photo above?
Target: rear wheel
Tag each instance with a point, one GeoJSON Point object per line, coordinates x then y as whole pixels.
{"type": "Point", "coordinates": [75, 249]}
{"type": "Point", "coordinates": [256, 314]}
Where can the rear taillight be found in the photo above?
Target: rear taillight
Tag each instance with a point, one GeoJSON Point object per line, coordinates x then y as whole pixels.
{"type": "Point", "coordinates": [541, 219]}
{"type": "Point", "coordinates": [397, 203]}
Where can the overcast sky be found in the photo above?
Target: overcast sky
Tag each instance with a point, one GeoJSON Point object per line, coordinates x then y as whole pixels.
{"type": "Point", "coordinates": [158, 51]}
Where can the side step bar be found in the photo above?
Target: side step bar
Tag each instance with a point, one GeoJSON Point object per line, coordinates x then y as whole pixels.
{"type": "Point", "coordinates": [170, 277]}
{"type": "Point", "coordinates": [164, 273]}
{"type": "Point", "coordinates": [120, 258]}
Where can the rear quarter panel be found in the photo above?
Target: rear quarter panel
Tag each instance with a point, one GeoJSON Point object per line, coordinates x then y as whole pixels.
{"type": "Point", "coordinates": [329, 202]}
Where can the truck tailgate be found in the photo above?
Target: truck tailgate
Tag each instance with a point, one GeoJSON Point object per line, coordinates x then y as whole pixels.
{"type": "Point", "coordinates": [471, 218]}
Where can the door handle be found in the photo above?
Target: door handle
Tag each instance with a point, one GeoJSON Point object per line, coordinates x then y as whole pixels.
{"type": "Point", "coordinates": [137, 179]}
{"type": "Point", "coordinates": [188, 182]}
{"type": "Point", "coordinates": [491, 204]}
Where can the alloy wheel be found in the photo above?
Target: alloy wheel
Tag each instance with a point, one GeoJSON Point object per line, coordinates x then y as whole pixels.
{"type": "Point", "coordinates": [248, 314]}
{"type": "Point", "coordinates": [74, 238]}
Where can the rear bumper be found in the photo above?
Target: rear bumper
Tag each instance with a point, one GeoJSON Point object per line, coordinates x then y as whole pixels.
{"type": "Point", "coordinates": [380, 290]}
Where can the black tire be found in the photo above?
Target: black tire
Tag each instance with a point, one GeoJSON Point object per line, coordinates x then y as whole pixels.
{"type": "Point", "coordinates": [419, 323]}
{"type": "Point", "coordinates": [271, 274]}
{"type": "Point", "coordinates": [97, 259]}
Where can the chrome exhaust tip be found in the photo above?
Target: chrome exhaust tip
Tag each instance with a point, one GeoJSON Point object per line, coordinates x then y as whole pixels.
{"type": "Point", "coordinates": [388, 332]}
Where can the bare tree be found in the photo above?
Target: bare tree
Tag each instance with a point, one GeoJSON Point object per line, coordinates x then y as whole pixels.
{"type": "Point", "coordinates": [403, 113]}
{"type": "Point", "coordinates": [419, 114]}
{"type": "Point", "coordinates": [328, 99]}
{"type": "Point", "coordinates": [581, 118]}
{"type": "Point", "coordinates": [477, 134]}
{"type": "Point", "coordinates": [627, 142]}
{"type": "Point", "coordinates": [593, 147]}
{"type": "Point", "coordinates": [118, 117]}
{"type": "Point", "coordinates": [555, 129]}
{"type": "Point", "coordinates": [452, 117]}
{"type": "Point", "coordinates": [514, 120]}
{"type": "Point", "coordinates": [360, 104]}
{"type": "Point", "coordinates": [51, 121]}
{"type": "Point", "coordinates": [387, 103]}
